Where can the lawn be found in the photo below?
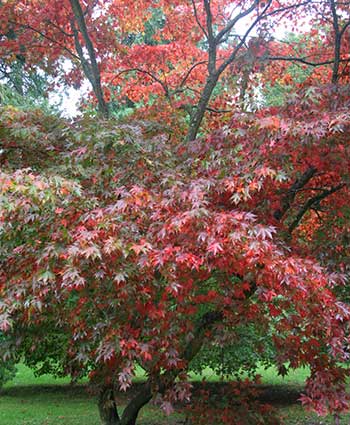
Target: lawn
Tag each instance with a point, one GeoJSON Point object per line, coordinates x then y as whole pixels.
{"type": "Point", "coordinates": [45, 400]}
{"type": "Point", "coordinates": [29, 400]}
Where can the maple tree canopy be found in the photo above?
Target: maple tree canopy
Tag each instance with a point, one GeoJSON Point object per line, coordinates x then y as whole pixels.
{"type": "Point", "coordinates": [204, 211]}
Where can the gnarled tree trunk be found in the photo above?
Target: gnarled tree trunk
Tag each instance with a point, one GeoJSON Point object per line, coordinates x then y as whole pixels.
{"type": "Point", "coordinates": [107, 406]}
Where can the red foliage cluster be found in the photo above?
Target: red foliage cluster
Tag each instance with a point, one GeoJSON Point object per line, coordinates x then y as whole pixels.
{"type": "Point", "coordinates": [235, 403]}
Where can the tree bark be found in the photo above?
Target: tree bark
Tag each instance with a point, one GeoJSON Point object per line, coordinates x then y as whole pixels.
{"type": "Point", "coordinates": [214, 71]}
{"type": "Point", "coordinates": [107, 407]}
{"type": "Point", "coordinates": [311, 203]}
{"type": "Point", "coordinates": [90, 68]}
{"type": "Point", "coordinates": [132, 410]}
{"type": "Point", "coordinates": [288, 199]}
{"type": "Point", "coordinates": [337, 43]}
{"type": "Point", "coordinates": [198, 114]}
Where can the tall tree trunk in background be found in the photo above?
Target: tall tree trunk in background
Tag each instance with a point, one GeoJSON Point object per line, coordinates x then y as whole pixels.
{"type": "Point", "coordinates": [215, 68]}
{"type": "Point", "coordinates": [90, 67]}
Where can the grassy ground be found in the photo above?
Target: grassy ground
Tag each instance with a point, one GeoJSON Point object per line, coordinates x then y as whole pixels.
{"type": "Point", "coordinates": [44, 400]}
{"type": "Point", "coordinates": [29, 400]}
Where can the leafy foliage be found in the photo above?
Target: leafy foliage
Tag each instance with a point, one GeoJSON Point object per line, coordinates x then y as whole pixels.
{"type": "Point", "coordinates": [235, 404]}
{"type": "Point", "coordinates": [170, 246]}
{"type": "Point", "coordinates": [7, 367]}
{"type": "Point", "coordinates": [250, 348]}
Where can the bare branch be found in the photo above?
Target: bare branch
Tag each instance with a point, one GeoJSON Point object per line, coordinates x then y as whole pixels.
{"type": "Point", "coordinates": [344, 28]}
{"type": "Point", "coordinates": [218, 111]}
{"type": "Point", "coordinates": [143, 71]}
{"type": "Point", "coordinates": [337, 43]}
{"type": "Point", "coordinates": [84, 63]}
{"type": "Point", "coordinates": [191, 89]}
{"type": "Point", "coordinates": [29, 27]}
{"type": "Point", "coordinates": [287, 8]}
{"type": "Point", "coordinates": [234, 21]}
{"type": "Point", "coordinates": [209, 21]}
{"type": "Point", "coordinates": [93, 66]}
{"type": "Point", "coordinates": [233, 55]}
{"type": "Point", "coordinates": [190, 70]}
{"type": "Point", "coordinates": [301, 60]}
{"type": "Point", "coordinates": [67, 34]}
{"type": "Point", "coordinates": [211, 39]}
{"type": "Point", "coordinates": [197, 19]}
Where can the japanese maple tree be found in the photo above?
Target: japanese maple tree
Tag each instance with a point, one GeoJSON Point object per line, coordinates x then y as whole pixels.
{"type": "Point", "coordinates": [142, 264]}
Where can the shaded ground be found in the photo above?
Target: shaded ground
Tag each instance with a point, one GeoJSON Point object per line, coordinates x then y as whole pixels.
{"type": "Point", "coordinates": [41, 401]}
{"type": "Point", "coordinates": [65, 404]}
{"type": "Point", "coordinates": [278, 395]}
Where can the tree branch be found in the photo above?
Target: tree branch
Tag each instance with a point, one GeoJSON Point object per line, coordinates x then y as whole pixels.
{"type": "Point", "coordinates": [209, 19]}
{"type": "Point", "coordinates": [84, 63]}
{"type": "Point", "coordinates": [211, 39]}
{"type": "Point", "coordinates": [29, 27]}
{"type": "Point", "coordinates": [311, 203]}
{"type": "Point", "coordinates": [93, 66]}
{"type": "Point", "coordinates": [183, 81]}
{"type": "Point", "coordinates": [228, 28]}
{"type": "Point", "coordinates": [344, 28]}
{"type": "Point", "coordinates": [337, 43]}
{"type": "Point", "coordinates": [301, 60]}
{"type": "Point", "coordinates": [214, 74]}
{"type": "Point", "coordinates": [197, 19]}
{"type": "Point", "coordinates": [107, 406]}
{"type": "Point", "coordinates": [143, 71]}
{"type": "Point", "coordinates": [218, 111]}
{"type": "Point", "coordinates": [289, 7]}
{"type": "Point", "coordinates": [233, 55]}
{"type": "Point", "coordinates": [290, 196]}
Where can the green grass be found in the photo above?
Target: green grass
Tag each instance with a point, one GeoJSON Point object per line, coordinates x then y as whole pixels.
{"type": "Point", "coordinates": [296, 415]}
{"type": "Point", "coordinates": [269, 376]}
{"type": "Point", "coordinates": [44, 405]}
{"type": "Point", "coordinates": [45, 400]}
{"type": "Point", "coordinates": [25, 376]}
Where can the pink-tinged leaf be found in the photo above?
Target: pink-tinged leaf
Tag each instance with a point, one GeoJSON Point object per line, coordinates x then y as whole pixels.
{"type": "Point", "coordinates": [91, 251]}
{"type": "Point", "coordinates": [119, 277]}
{"type": "Point", "coordinates": [167, 407]}
{"type": "Point", "coordinates": [265, 232]}
{"type": "Point", "coordinates": [5, 324]}
{"type": "Point", "coordinates": [215, 248]}
{"type": "Point", "coordinates": [142, 247]}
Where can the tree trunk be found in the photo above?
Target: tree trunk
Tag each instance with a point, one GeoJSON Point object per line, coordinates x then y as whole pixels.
{"type": "Point", "coordinates": [201, 107]}
{"type": "Point", "coordinates": [90, 68]}
{"type": "Point", "coordinates": [108, 407]}
{"type": "Point", "coordinates": [132, 410]}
